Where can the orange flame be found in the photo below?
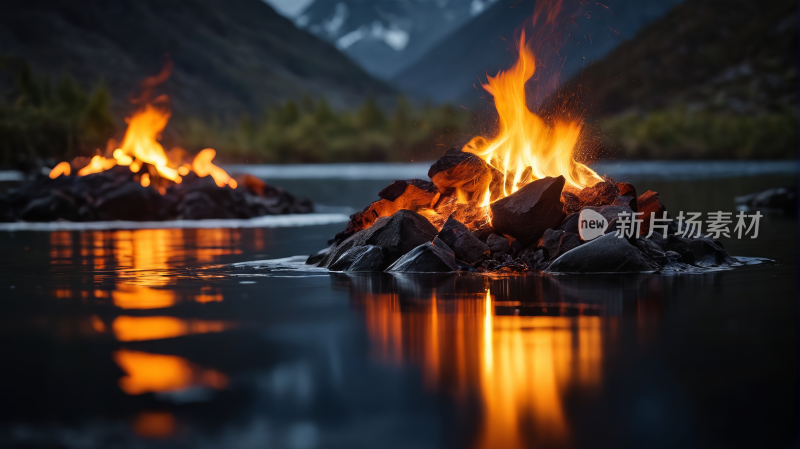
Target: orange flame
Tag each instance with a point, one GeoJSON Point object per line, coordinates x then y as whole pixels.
{"type": "Point", "coordinates": [140, 140]}
{"type": "Point", "coordinates": [96, 165]}
{"type": "Point", "coordinates": [141, 145]}
{"type": "Point", "coordinates": [62, 168]}
{"type": "Point", "coordinates": [203, 167]}
{"type": "Point", "coordinates": [524, 139]}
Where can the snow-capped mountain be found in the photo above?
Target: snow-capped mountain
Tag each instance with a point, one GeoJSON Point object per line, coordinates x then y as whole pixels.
{"type": "Point", "coordinates": [385, 37]}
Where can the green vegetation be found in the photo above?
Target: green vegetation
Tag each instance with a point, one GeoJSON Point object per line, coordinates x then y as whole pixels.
{"type": "Point", "coordinates": [679, 134]}
{"type": "Point", "coordinates": [41, 120]}
{"type": "Point", "coordinates": [312, 132]}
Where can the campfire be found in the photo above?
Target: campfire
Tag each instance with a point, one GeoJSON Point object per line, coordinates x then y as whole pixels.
{"type": "Point", "coordinates": [512, 202]}
{"type": "Point", "coordinates": [138, 180]}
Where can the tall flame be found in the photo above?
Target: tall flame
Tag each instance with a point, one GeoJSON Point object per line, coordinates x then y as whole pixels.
{"type": "Point", "coordinates": [141, 140]}
{"type": "Point", "coordinates": [523, 138]}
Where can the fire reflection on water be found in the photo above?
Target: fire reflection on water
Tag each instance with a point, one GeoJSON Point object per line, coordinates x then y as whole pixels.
{"type": "Point", "coordinates": [520, 367]}
{"type": "Point", "coordinates": [140, 262]}
{"type": "Point", "coordinates": [140, 270]}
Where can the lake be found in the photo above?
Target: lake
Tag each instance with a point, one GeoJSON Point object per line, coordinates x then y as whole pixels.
{"type": "Point", "coordinates": [175, 338]}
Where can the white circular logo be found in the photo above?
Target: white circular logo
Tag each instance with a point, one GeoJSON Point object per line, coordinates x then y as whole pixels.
{"type": "Point", "coordinates": [591, 224]}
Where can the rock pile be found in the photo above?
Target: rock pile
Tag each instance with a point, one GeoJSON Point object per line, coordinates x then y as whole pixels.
{"type": "Point", "coordinates": [115, 194]}
{"type": "Point", "coordinates": [440, 226]}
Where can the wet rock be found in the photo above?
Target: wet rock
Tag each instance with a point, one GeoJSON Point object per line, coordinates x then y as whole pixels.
{"type": "Point", "coordinates": [464, 244]}
{"type": "Point", "coordinates": [370, 260]}
{"type": "Point", "coordinates": [464, 171]}
{"type": "Point", "coordinates": [317, 257]}
{"type": "Point", "coordinates": [674, 263]}
{"type": "Point", "coordinates": [535, 258]}
{"type": "Point", "coordinates": [652, 251]}
{"type": "Point", "coordinates": [530, 211]}
{"type": "Point", "coordinates": [395, 235]}
{"type": "Point", "coordinates": [437, 242]}
{"type": "Point", "coordinates": [343, 262]}
{"type": "Point", "coordinates": [556, 243]}
{"type": "Point", "coordinates": [606, 254]}
{"type": "Point", "coordinates": [702, 252]}
{"type": "Point", "coordinates": [498, 244]}
{"type": "Point", "coordinates": [425, 258]}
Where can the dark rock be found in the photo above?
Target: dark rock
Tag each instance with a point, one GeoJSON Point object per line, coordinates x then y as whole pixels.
{"type": "Point", "coordinates": [130, 201]}
{"type": "Point", "coordinates": [397, 188]}
{"type": "Point", "coordinates": [458, 169]}
{"type": "Point", "coordinates": [674, 263]}
{"type": "Point", "coordinates": [648, 203]}
{"type": "Point", "coordinates": [556, 243]}
{"type": "Point", "coordinates": [702, 252]}
{"type": "Point", "coordinates": [395, 235]}
{"type": "Point", "coordinates": [465, 245]}
{"type": "Point", "coordinates": [50, 208]}
{"type": "Point", "coordinates": [198, 205]}
{"type": "Point", "coordinates": [471, 250]}
{"type": "Point", "coordinates": [425, 258]}
{"type": "Point", "coordinates": [437, 242]}
{"type": "Point", "coordinates": [531, 210]}
{"type": "Point", "coordinates": [483, 233]}
{"type": "Point", "coordinates": [371, 260]}
{"type": "Point", "coordinates": [498, 244]}
{"type": "Point", "coordinates": [343, 262]}
{"type": "Point", "coordinates": [536, 259]}
{"type": "Point", "coordinates": [780, 200]}
{"type": "Point", "coordinates": [626, 201]}
{"type": "Point", "coordinates": [605, 254]}
{"type": "Point", "coordinates": [652, 251]}
{"type": "Point", "coordinates": [317, 257]}
{"type": "Point", "coordinates": [512, 266]}
{"type": "Point", "coordinates": [570, 223]}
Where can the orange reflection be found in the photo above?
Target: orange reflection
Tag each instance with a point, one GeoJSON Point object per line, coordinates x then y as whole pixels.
{"type": "Point", "coordinates": [144, 263]}
{"type": "Point", "coordinates": [152, 373]}
{"type": "Point", "coordinates": [154, 424]}
{"type": "Point", "coordinates": [129, 328]}
{"type": "Point", "coordinates": [129, 296]}
{"type": "Point", "coordinates": [521, 366]}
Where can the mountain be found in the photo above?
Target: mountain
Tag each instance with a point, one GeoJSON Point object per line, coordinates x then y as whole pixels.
{"type": "Point", "coordinates": [451, 70]}
{"type": "Point", "coordinates": [230, 57]}
{"type": "Point", "coordinates": [384, 37]}
{"type": "Point", "coordinates": [712, 55]}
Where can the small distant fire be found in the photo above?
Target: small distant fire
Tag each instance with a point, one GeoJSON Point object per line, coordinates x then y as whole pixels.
{"type": "Point", "coordinates": [140, 148]}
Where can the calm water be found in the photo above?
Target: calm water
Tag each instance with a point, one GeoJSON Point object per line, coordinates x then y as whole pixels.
{"type": "Point", "coordinates": [150, 338]}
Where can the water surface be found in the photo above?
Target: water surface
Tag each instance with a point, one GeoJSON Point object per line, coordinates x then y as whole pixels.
{"type": "Point", "coordinates": [154, 337]}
